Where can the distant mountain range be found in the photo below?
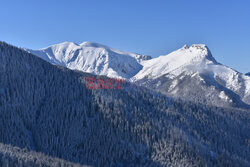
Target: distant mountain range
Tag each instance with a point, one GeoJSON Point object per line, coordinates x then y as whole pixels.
{"type": "Point", "coordinates": [190, 73]}
{"type": "Point", "coordinates": [49, 117]}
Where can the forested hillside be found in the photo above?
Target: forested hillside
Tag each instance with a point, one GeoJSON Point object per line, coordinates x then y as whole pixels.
{"type": "Point", "coordinates": [14, 156]}
{"type": "Point", "coordinates": [47, 109]}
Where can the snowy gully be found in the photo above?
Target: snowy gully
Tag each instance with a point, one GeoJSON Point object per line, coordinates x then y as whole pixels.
{"type": "Point", "coordinates": [94, 83]}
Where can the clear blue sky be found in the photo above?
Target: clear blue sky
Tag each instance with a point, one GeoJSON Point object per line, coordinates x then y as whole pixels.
{"type": "Point", "coordinates": [152, 27]}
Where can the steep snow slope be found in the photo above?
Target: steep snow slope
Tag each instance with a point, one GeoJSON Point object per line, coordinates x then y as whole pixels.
{"type": "Point", "coordinates": [176, 61]}
{"type": "Point", "coordinates": [93, 58]}
{"type": "Point", "coordinates": [166, 73]}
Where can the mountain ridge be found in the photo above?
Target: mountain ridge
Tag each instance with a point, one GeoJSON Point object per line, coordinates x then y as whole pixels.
{"type": "Point", "coordinates": [196, 54]}
{"type": "Point", "coordinates": [194, 63]}
{"type": "Point", "coordinates": [93, 58]}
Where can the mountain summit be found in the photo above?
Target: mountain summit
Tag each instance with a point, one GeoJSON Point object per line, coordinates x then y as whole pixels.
{"type": "Point", "coordinates": [193, 57]}
{"type": "Point", "coordinates": [93, 58]}
{"type": "Point", "coordinates": [193, 74]}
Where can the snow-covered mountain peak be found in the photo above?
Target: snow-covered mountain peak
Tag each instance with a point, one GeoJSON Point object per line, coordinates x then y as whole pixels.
{"type": "Point", "coordinates": [65, 44]}
{"type": "Point", "coordinates": [202, 48]}
{"type": "Point", "coordinates": [138, 57]}
{"type": "Point", "coordinates": [199, 46]}
{"type": "Point", "coordinates": [201, 52]}
{"type": "Point", "coordinates": [197, 65]}
{"type": "Point", "coordinates": [195, 46]}
{"type": "Point", "coordinates": [194, 53]}
{"type": "Point", "coordinates": [93, 58]}
{"type": "Point", "coordinates": [193, 57]}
